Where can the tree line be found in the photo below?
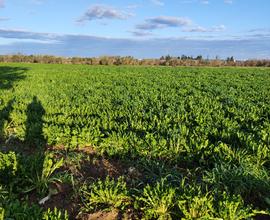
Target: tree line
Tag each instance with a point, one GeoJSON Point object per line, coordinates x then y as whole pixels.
{"type": "Point", "coordinates": [129, 60]}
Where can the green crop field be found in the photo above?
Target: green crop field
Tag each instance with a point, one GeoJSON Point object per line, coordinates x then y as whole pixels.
{"type": "Point", "coordinates": [108, 142]}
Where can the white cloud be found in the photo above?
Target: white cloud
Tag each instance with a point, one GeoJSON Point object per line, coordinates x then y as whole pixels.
{"type": "Point", "coordinates": [187, 1]}
{"type": "Point", "coordinates": [228, 1]}
{"type": "Point", "coordinates": [2, 3]}
{"type": "Point", "coordinates": [133, 6]}
{"type": "Point", "coordinates": [98, 12]}
{"type": "Point", "coordinates": [259, 30]}
{"type": "Point", "coordinates": [37, 2]}
{"type": "Point", "coordinates": [218, 28]}
{"type": "Point", "coordinates": [196, 29]}
{"type": "Point", "coordinates": [25, 34]}
{"type": "Point", "coordinates": [205, 2]}
{"type": "Point", "coordinates": [158, 2]}
{"type": "Point", "coordinates": [139, 33]}
{"type": "Point", "coordinates": [163, 22]}
{"type": "Point", "coordinates": [4, 19]}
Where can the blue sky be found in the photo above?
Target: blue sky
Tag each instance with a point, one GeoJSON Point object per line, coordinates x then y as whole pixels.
{"type": "Point", "coordinates": [148, 28]}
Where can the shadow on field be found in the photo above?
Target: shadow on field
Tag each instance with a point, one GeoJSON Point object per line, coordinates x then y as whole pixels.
{"type": "Point", "coordinates": [8, 76]}
{"type": "Point", "coordinates": [4, 118]}
{"type": "Point", "coordinates": [33, 138]}
{"type": "Point", "coordinates": [34, 124]}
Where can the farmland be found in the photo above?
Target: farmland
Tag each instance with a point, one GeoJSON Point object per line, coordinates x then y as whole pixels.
{"type": "Point", "coordinates": [134, 142]}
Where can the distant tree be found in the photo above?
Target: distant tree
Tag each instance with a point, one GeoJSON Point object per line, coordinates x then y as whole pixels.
{"type": "Point", "coordinates": [183, 57]}
{"type": "Point", "coordinates": [230, 59]}
{"type": "Point", "coordinates": [199, 57]}
{"type": "Point", "coordinates": [118, 61]}
{"type": "Point", "coordinates": [168, 57]}
{"type": "Point", "coordinates": [104, 60]}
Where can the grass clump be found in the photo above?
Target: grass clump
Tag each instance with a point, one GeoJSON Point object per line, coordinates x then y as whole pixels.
{"type": "Point", "coordinates": [157, 201]}
{"type": "Point", "coordinates": [107, 195]}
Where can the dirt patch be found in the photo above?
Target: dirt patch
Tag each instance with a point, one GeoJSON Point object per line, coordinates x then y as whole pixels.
{"type": "Point", "coordinates": [90, 164]}
{"type": "Point", "coordinates": [87, 150]}
{"type": "Point", "coordinates": [112, 215]}
{"type": "Point", "coordinates": [20, 147]}
{"type": "Point", "coordinates": [63, 200]}
{"type": "Point", "coordinates": [56, 148]}
{"type": "Point", "coordinates": [83, 164]}
{"type": "Point", "coordinates": [100, 168]}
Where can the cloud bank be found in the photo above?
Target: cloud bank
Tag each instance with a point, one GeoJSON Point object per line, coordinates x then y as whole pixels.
{"type": "Point", "coordinates": [84, 45]}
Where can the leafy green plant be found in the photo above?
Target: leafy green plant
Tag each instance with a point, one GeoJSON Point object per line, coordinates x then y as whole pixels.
{"type": "Point", "coordinates": [56, 214]}
{"type": "Point", "coordinates": [42, 179]}
{"type": "Point", "coordinates": [156, 170]}
{"type": "Point", "coordinates": [8, 166]}
{"type": "Point", "coordinates": [247, 179]}
{"type": "Point", "coordinates": [233, 208]}
{"type": "Point", "coordinates": [22, 211]}
{"type": "Point", "coordinates": [193, 202]}
{"type": "Point", "coordinates": [157, 201]}
{"type": "Point", "coordinates": [3, 194]}
{"type": "Point", "coordinates": [108, 194]}
{"type": "Point", "coordinates": [198, 207]}
{"type": "Point", "coordinates": [2, 213]}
